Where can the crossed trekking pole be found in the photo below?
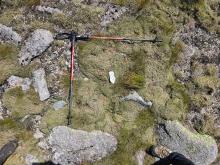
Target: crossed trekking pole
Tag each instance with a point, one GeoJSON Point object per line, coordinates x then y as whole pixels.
{"type": "Point", "coordinates": [74, 37]}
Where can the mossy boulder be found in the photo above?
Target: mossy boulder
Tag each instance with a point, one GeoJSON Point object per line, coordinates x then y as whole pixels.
{"type": "Point", "coordinates": [201, 149]}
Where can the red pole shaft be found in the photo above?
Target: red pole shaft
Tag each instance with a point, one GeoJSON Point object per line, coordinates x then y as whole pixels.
{"type": "Point", "coordinates": [72, 63]}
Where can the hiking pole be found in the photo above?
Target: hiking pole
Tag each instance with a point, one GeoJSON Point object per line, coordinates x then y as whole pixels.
{"type": "Point", "coordinates": [74, 37]}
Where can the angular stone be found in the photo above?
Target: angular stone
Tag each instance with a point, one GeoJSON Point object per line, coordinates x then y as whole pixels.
{"type": "Point", "coordinates": [39, 41]}
{"type": "Point", "coordinates": [40, 84]}
{"type": "Point", "coordinates": [134, 96]}
{"type": "Point", "coordinates": [201, 149]}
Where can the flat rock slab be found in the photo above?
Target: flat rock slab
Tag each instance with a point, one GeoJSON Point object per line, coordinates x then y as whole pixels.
{"type": "Point", "coordinates": [59, 105]}
{"type": "Point", "coordinates": [8, 35]}
{"type": "Point", "coordinates": [201, 149]}
{"type": "Point", "coordinates": [35, 45]}
{"type": "Point", "coordinates": [40, 84]}
{"type": "Point", "coordinates": [73, 147]}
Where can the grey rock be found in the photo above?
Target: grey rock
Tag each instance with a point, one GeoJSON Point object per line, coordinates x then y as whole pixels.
{"type": "Point", "coordinates": [30, 159]}
{"type": "Point", "coordinates": [49, 10]}
{"type": "Point", "coordinates": [40, 84]}
{"type": "Point", "coordinates": [35, 45]}
{"type": "Point", "coordinates": [112, 78]}
{"type": "Point", "coordinates": [72, 147]}
{"type": "Point", "coordinates": [134, 96]}
{"type": "Point", "coordinates": [59, 105]}
{"type": "Point", "coordinates": [8, 35]}
{"type": "Point", "coordinates": [201, 149]}
{"type": "Point", "coordinates": [15, 81]}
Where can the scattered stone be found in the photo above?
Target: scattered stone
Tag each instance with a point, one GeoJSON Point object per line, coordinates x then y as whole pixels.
{"type": "Point", "coordinates": [72, 147]}
{"type": "Point", "coordinates": [39, 41]}
{"type": "Point", "coordinates": [113, 12]}
{"type": "Point", "coordinates": [139, 156]}
{"type": "Point", "coordinates": [112, 78]}
{"type": "Point", "coordinates": [1, 111]}
{"type": "Point", "coordinates": [15, 81]}
{"type": "Point", "coordinates": [49, 10]}
{"type": "Point", "coordinates": [201, 149]}
{"type": "Point", "coordinates": [30, 159]}
{"type": "Point", "coordinates": [4, 112]}
{"type": "Point", "coordinates": [134, 96]}
{"type": "Point", "coordinates": [59, 105]}
{"type": "Point", "coordinates": [8, 35]}
{"type": "Point", "coordinates": [40, 84]}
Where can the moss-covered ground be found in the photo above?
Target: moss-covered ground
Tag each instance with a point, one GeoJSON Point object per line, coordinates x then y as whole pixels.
{"type": "Point", "coordinates": [145, 67]}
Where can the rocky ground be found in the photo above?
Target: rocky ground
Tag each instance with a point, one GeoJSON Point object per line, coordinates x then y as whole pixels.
{"type": "Point", "coordinates": [126, 96]}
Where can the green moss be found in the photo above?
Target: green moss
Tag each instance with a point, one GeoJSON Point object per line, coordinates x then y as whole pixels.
{"type": "Point", "coordinates": [207, 81]}
{"type": "Point", "coordinates": [200, 100]}
{"type": "Point", "coordinates": [21, 104]}
{"type": "Point", "coordinates": [177, 49]}
{"type": "Point", "coordinates": [8, 52]}
{"type": "Point", "coordinates": [22, 3]}
{"type": "Point", "coordinates": [37, 24]}
{"type": "Point", "coordinates": [132, 80]}
{"type": "Point", "coordinates": [82, 15]}
{"type": "Point", "coordinates": [7, 124]}
{"type": "Point", "coordinates": [135, 4]}
{"type": "Point", "coordinates": [9, 63]}
{"type": "Point", "coordinates": [130, 140]}
{"type": "Point", "coordinates": [52, 119]}
{"type": "Point", "coordinates": [212, 70]}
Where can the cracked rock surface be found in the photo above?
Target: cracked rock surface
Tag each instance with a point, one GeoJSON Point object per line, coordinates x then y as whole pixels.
{"type": "Point", "coordinates": [72, 147]}
{"type": "Point", "coordinates": [39, 41]}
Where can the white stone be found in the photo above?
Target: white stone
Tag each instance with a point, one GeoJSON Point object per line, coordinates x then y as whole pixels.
{"type": "Point", "coordinates": [112, 78]}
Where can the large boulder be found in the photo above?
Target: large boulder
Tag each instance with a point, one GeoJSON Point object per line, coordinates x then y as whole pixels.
{"type": "Point", "coordinates": [39, 41]}
{"type": "Point", "coordinates": [8, 35]}
{"type": "Point", "coordinates": [40, 84]}
{"type": "Point", "coordinates": [201, 149]}
{"type": "Point", "coordinates": [72, 147]}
